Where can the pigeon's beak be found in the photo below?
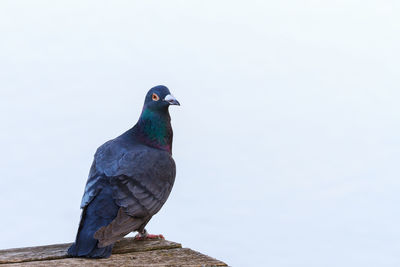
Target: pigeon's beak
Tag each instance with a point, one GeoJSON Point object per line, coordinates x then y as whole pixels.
{"type": "Point", "coordinates": [171, 100]}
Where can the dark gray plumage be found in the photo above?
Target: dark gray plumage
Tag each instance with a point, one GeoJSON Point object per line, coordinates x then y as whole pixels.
{"type": "Point", "coordinates": [130, 179]}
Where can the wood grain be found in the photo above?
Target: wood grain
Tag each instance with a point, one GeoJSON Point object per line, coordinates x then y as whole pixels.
{"type": "Point", "coordinates": [127, 252]}
{"type": "Point", "coordinates": [59, 251]}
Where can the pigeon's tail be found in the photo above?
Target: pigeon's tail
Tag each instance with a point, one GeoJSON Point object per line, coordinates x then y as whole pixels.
{"type": "Point", "coordinates": [100, 212]}
{"type": "Point", "coordinates": [94, 251]}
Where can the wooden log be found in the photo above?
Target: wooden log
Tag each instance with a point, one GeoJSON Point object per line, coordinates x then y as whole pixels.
{"type": "Point", "coordinates": [127, 252]}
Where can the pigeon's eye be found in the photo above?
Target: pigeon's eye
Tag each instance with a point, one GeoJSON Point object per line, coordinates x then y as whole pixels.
{"type": "Point", "coordinates": [155, 97]}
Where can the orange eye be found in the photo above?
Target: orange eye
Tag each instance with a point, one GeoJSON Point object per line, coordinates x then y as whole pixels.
{"type": "Point", "coordinates": [155, 97]}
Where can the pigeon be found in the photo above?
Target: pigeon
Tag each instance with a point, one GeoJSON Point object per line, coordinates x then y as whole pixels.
{"type": "Point", "coordinates": [129, 181]}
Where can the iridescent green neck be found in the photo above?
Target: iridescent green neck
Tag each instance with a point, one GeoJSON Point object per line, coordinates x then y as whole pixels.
{"type": "Point", "coordinates": [155, 128]}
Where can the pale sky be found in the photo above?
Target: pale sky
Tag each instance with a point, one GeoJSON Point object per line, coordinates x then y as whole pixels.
{"type": "Point", "coordinates": [286, 143]}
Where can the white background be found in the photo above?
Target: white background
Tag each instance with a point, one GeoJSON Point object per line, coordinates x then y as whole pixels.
{"type": "Point", "coordinates": [286, 143]}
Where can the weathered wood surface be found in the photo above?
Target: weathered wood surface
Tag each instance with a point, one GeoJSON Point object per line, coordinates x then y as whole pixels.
{"type": "Point", "coordinates": [126, 252]}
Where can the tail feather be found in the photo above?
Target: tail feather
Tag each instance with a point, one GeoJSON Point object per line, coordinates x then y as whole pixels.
{"type": "Point", "coordinates": [122, 225]}
{"type": "Point", "coordinates": [95, 252]}
{"type": "Point", "coordinates": [99, 212]}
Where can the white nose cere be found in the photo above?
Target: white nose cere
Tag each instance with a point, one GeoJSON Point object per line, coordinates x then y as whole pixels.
{"type": "Point", "coordinates": [169, 98]}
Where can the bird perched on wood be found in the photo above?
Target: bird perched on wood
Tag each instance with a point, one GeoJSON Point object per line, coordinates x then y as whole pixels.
{"type": "Point", "coordinates": [130, 179]}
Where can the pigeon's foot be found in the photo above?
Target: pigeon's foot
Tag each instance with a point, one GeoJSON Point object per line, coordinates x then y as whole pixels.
{"type": "Point", "coordinates": [146, 236]}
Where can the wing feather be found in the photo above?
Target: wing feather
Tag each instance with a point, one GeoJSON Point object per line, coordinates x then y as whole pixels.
{"type": "Point", "coordinates": [141, 180]}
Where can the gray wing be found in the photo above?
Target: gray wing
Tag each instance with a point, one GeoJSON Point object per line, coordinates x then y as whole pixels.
{"type": "Point", "coordinates": [105, 163]}
{"type": "Point", "coordinates": [141, 181]}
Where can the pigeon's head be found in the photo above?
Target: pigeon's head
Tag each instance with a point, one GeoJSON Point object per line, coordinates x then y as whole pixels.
{"type": "Point", "coordinates": [159, 98]}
